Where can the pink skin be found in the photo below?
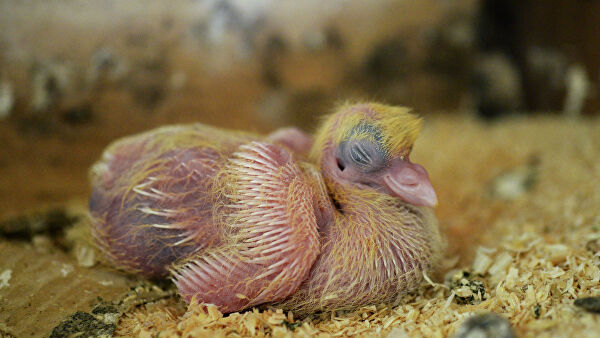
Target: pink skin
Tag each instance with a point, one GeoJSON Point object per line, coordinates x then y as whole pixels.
{"type": "Point", "coordinates": [293, 138]}
{"type": "Point", "coordinates": [409, 182]}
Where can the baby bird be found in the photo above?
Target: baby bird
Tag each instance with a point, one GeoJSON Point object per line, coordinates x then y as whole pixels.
{"type": "Point", "coordinates": [240, 220]}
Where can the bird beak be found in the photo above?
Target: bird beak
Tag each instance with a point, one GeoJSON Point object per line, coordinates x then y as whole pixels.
{"type": "Point", "coordinates": [410, 182]}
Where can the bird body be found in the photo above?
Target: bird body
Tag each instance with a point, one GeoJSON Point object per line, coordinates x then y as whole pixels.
{"type": "Point", "coordinates": [370, 255]}
{"type": "Point", "coordinates": [240, 220]}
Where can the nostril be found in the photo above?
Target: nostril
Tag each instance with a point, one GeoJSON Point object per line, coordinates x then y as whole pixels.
{"type": "Point", "coordinates": [340, 165]}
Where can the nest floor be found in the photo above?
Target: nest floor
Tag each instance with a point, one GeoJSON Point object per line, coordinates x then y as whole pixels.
{"type": "Point", "coordinates": [519, 205]}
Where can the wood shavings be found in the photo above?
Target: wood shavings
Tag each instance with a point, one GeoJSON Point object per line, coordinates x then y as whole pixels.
{"type": "Point", "coordinates": [501, 263]}
{"type": "Point", "coordinates": [482, 261]}
{"type": "Point", "coordinates": [430, 282]}
{"type": "Point", "coordinates": [522, 243]}
{"type": "Point", "coordinates": [557, 253]}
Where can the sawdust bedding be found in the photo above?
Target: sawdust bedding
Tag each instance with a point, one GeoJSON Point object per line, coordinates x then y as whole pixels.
{"type": "Point", "coordinates": [519, 204]}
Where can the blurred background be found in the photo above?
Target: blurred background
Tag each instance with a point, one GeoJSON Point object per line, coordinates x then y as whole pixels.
{"type": "Point", "coordinates": [75, 75]}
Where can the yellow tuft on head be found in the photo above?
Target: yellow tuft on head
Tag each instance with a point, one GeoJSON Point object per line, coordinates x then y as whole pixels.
{"type": "Point", "coordinates": [394, 128]}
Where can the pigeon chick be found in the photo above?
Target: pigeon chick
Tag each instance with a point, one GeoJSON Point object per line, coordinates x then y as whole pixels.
{"type": "Point", "coordinates": [238, 220]}
{"type": "Point", "coordinates": [382, 235]}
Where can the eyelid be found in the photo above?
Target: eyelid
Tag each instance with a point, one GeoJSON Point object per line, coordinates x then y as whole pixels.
{"type": "Point", "coordinates": [359, 155]}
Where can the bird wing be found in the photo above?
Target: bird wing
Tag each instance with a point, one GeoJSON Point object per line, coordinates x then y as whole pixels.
{"type": "Point", "coordinates": [155, 208]}
{"type": "Point", "coordinates": [273, 239]}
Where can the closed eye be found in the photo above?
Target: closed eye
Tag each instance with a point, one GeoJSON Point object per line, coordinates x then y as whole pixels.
{"type": "Point", "coordinates": [360, 155]}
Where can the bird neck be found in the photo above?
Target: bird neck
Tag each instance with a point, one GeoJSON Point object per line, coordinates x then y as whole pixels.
{"type": "Point", "coordinates": [350, 199]}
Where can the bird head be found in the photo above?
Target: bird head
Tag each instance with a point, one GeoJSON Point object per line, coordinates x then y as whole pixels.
{"type": "Point", "coordinates": [368, 146]}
